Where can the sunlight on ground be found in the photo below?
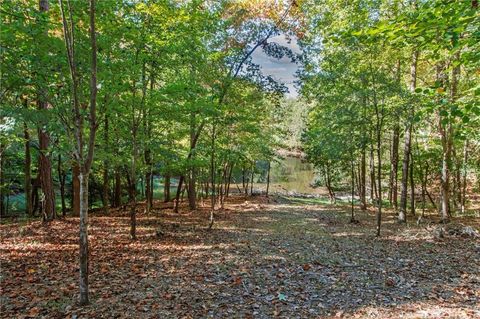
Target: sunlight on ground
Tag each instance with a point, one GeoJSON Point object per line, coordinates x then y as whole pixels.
{"type": "Point", "coordinates": [308, 255]}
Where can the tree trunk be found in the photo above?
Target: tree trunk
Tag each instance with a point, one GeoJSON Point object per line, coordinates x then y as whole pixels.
{"type": "Point", "coordinates": [193, 145]}
{"type": "Point", "coordinates": [412, 187]}
{"type": "Point", "coordinates": [446, 132]}
{"type": "Point", "coordinates": [402, 214]}
{"type": "Point", "coordinates": [105, 187]}
{"type": "Point", "coordinates": [373, 183]}
{"type": "Point", "coordinates": [379, 179]}
{"type": "Point", "coordinates": [243, 178]}
{"type": "Point", "coordinates": [457, 180]}
{"type": "Point", "coordinates": [268, 178]}
{"type": "Point", "coordinates": [83, 238]}
{"type": "Point", "coordinates": [222, 186]}
{"type": "Point", "coordinates": [424, 189]}
{"type": "Point", "coordinates": [328, 183]}
{"type": "Point", "coordinates": [133, 187]}
{"type": "Point", "coordinates": [212, 166]}
{"type": "Point", "coordinates": [251, 181]}
{"type": "Point", "coordinates": [35, 195]}
{"type": "Point", "coordinates": [76, 189]}
{"type": "Point", "coordinates": [179, 191]}
{"type": "Point", "coordinates": [27, 170]}
{"type": "Point", "coordinates": [84, 163]}
{"type": "Point", "coordinates": [464, 177]}
{"type": "Point", "coordinates": [352, 217]}
{"type": "Point", "coordinates": [379, 113]}
{"type": "Point", "coordinates": [2, 204]}
{"type": "Point", "coordinates": [394, 167]}
{"type": "Point", "coordinates": [192, 192]}
{"type": "Point", "coordinates": [363, 181]}
{"type": "Point", "coordinates": [45, 165]}
{"type": "Point", "coordinates": [46, 179]}
{"type": "Point", "coordinates": [133, 213]}
{"type": "Point", "coordinates": [445, 177]}
{"type": "Point", "coordinates": [379, 168]}
{"type": "Point", "coordinates": [229, 178]}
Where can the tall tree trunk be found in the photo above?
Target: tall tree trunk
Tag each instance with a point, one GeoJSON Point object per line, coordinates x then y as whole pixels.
{"type": "Point", "coordinates": [379, 113]}
{"type": "Point", "coordinates": [2, 182]}
{"type": "Point", "coordinates": [424, 188]}
{"type": "Point", "coordinates": [133, 186]}
{"type": "Point", "coordinates": [83, 155]}
{"type": "Point", "coordinates": [268, 178]}
{"type": "Point", "coordinates": [394, 167]}
{"type": "Point", "coordinates": [212, 167]}
{"type": "Point", "coordinates": [402, 214]}
{"type": "Point", "coordinates": [179, 192]}
{"type": "Point", "coordinates": [45, 171]}
{"type": "Point", "coordinates": [379, 167]}
{"type": "Point", "coordinates": [229, 181]}
{"type": "Point", "coordinates": [45, 165]}
{"type": "Point", "coordinates": [251, 181]}
{"type": "Point", "coordinates": [243, 177]}
{"type": "Point", "coordinates": [446, 132]}
{"type": "Point", "coordinates": [27, 170]}
{"type": "Point", "coordinates": [379, 179]}
{"type": "Point", "coordinates": [135, 125]}
{"type": "Point", "coordinates": [457, 180]}
{"type": "Point", "coordinates": [412, 187]}
{"type": "Point", "coordinates": [148, 133]}
{"type": "Point", "coordinates": [445, 177]}
{"type": "Point", "coordinates": [105, 192]}
{"type": "Point", "coordinates": [83, 238]}
{"type": "Point", "coordinates": [192, 192]}
{"type": "Point", "coordinates": [464, 177]}
{"type": "Point", "coordinates": [363, 181]}
{"type": "Point", "coordinates": [352, 217]}
{"type": "Point", "coordinates": [190, 154]}
{"type": "Point", "coordinates": [222, 186]}
{"type": "Point", "coordinates": [35, 195]}
{"type": "Point", "coordinates": [328, 184]}
{"type": "Point", "coordinates": [76, 189]}
{"type": "Point", "coordinates": [373, 183]}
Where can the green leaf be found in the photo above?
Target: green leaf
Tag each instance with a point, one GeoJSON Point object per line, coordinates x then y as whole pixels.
{"type": "Point", "coordinates": [443, 113]}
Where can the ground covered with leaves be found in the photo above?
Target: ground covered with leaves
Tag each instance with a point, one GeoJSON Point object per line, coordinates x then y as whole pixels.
{"type": "Point", "coordinates": [262, 259]}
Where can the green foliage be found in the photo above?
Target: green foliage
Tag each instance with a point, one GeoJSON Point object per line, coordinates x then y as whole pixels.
{"type": "Point", "coordinates": [359, 56]}
{"type": "Point", "coordinates": [166, 71]}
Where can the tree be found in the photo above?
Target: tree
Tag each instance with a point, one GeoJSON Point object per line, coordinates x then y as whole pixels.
{"type": "Point", "coordinates": [83, 152]}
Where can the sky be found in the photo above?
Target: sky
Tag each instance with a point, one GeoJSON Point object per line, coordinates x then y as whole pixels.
{"type": "Point", "coordinates": [283, 69]}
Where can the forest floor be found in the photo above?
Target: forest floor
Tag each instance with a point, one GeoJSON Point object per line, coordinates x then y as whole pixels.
{"type": "Point", "coordinates": [262, 259]}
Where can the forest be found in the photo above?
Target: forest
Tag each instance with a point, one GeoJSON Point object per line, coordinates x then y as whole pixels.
{"type": "Point", "coordinates": [158, 161]}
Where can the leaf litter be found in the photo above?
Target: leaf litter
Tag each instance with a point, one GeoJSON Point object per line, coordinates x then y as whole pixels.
{"type": "Point", "coordinates": [277, 260]}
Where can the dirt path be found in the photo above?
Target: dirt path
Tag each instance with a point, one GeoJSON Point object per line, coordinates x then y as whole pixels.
{"type": "Point", "coordinates": [261, 260]}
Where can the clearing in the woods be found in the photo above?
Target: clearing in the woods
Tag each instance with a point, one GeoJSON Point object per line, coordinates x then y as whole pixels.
{"type": "Point", "coordinates": [263, 258]}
